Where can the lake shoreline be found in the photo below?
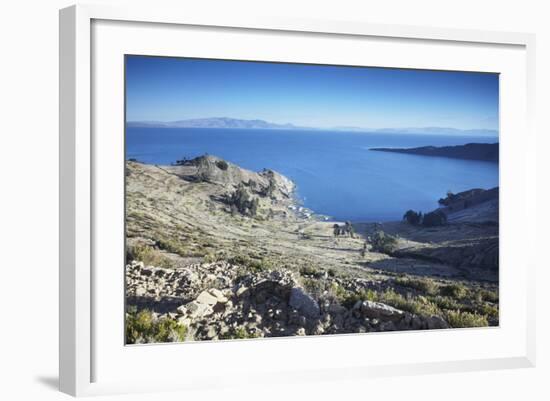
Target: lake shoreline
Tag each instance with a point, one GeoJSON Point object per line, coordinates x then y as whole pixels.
{"type": "Point", "coordinates": [336, 173]}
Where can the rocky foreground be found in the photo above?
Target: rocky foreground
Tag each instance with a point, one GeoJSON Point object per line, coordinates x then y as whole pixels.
{"type": "Point", "coordinates": [218, 252]}
{"type": "Point", "coordinates": [222, 302]}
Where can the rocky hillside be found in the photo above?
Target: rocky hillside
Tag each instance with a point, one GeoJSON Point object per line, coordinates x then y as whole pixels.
{"type": "Point", "coordinates": [214, 170]}
{"type": "Point", "coordinates": [215, 251]}
{"type": "Point", "coordinates": [476, 205]}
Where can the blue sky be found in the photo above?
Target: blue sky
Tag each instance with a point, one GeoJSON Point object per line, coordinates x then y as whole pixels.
{"type": "Point", "coordinates": [169, 89]}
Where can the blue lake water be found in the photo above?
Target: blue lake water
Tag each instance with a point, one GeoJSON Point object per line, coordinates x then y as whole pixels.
{"type": "Point", "coordinates": [336, 173]}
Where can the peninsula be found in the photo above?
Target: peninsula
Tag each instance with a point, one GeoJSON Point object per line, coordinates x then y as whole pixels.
{"type": "Point", "coordinates": [470, 151]}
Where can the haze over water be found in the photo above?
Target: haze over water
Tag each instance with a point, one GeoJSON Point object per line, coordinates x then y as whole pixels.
{"type": "Point", "coordinates": [336, 173]}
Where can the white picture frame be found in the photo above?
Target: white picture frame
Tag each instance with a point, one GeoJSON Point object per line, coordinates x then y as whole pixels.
{"type": "Point", "coordinates": [82, 346]}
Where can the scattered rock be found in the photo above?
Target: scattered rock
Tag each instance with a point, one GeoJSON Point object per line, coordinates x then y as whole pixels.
{"type": "Point", "coordinates": [242, 291]}
{"type": "Point", "coordinates": [196, 309]}
{"type": "Point", "coordinates": [300, 332]}
{"type": "Point", "coordinates": [207, 298]}
{"type": "Point", "coordinates": [262, 303]}
{"type": "Point", "coordinates": [220, 298]}
{"type": "Point", "coordinates": [379, 310]}
{"type": "Point", "coordinates": [304, 303]}
{"type": "Point", "coordinates": [436, 322]}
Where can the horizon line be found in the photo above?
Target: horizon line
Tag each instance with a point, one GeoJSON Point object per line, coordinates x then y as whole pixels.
{"type": "Point", "coordinates": [294, 126]}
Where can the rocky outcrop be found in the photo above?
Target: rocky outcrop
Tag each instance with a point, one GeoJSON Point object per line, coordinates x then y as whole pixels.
{"type": "Point", "coordinates": [214, 170]}
{"type": "Point", "coordinates": [221, 301]}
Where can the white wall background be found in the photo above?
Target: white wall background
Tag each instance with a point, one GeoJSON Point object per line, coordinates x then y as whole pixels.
{"type": "Point", "coordinates": [29, 187]}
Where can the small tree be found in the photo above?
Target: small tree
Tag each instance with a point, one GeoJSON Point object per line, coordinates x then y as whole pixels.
{"type": "Point", "coordinates": [383, 243]}
{"type": "Point", "coordinates": [182, 162]}
{"type": "Point", "coordinates": [203, 170]}
{"type": "Point", "coordinates": [240, 201]}
{"type": "Point", "coordinates": [413, 217]}
{"type": "Point", "coordinates": [450, 198]}
{"type": "Point", "coordinates": [270, 189]}
{"type": "Point", "coordinates": [222, 165]}
{"type": "Point", "coordinates": [240, 198]}
{"type": "Point", "coordinates": [435, 218]}
{"type": "Point", "coordinates": [349, 229]}
{"type": "Point", "coordinates": [254, 206]}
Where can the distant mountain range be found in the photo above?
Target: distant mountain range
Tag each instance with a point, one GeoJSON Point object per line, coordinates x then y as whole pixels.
{"type": "Point", "coordinates": [225, 122]}
{"type": "Point", "coordinates": [215, 122]}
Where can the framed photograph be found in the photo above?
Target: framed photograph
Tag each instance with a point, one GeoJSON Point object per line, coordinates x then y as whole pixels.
{"type": "Point", "coordinates": [305, 199]}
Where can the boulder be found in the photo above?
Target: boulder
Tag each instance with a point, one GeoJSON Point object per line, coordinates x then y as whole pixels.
{"type": "Point", "coordinates": [207, 298]}
{"type": "Point", "coordinates": [304, 303]}
{"type": "Point", "coordinates": [140, 291]}
{"type": "Point", "coordinates": [436, 322]}
{"type": "Point", "coordinates": [379, 310]}
{"type": "Point", "coordinates": [300, 332]}
{"type": "Point", "coordinates": [337, 309]}
{"type": "Point", "coordinates": [417, 323]}
{"type": "Point", "coordinates": [220, 298]}
{"type": "Point", "coordinates": [318, 329]}
{"type": "Point", "coordinates": [195, 309]}
{"type": "Point", "coordinates": [387, 326]}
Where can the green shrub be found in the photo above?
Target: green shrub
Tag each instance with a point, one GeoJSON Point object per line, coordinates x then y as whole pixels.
{"type": "Point", "coordinates": [424, 285]}
{"type": "Point", "coordinates": [459, 319]}
{"type": "Point", "coordinates": [337, 291]}
{"type": "Point", "coordinates": [240, 201]}
{"type": "Point", "coordinates": [211, 257]}
{"type": "Point", "coordinates": [313, 286]}
{"type": "Point", "coordinates": [172, 246]}
{"type": "Point", "coordinates": [418, 305]}
{"type": "Point", "coordinates": [487, 295]}
{"type": "Point", "coordinates": [270, 189]}
{"type": "Point", "coordinates": [310, 271]}
{"type": "Point", "coordinates": [351, 298]}
{"type": "Point", "coordinates": [239, 333]}
{"type": "Point", "coordinates": [455, 290]}
{"type": "Point", "coordinates": [141, 327]}
{"type": "Point", "coordinates": [222, 165]}
{"type": "Point", "coordinates": [445, 302]}
{"type": "Point", "coordinates": [148, 255]}
{"type": "Point", "coordinates": [383, 243]}
{"type": "Point", "coordinates": [253, 264]}
{"type": "Point", "coordinates": [488, 310]}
